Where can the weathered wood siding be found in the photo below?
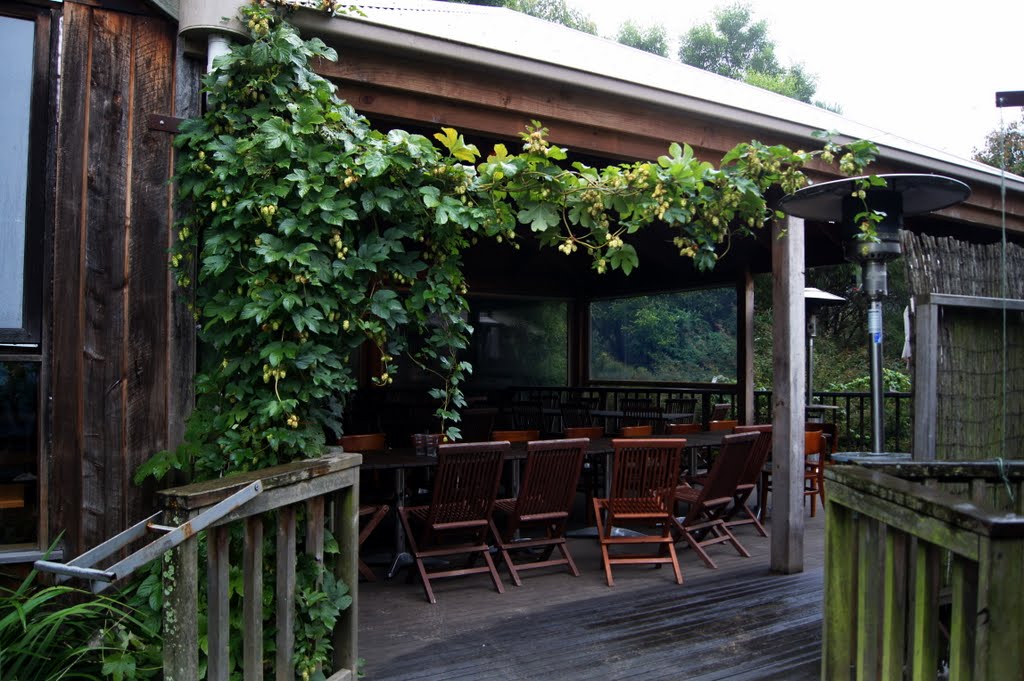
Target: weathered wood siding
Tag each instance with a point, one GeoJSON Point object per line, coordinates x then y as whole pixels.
{"type": "Point", "coordinates": [114, 354]}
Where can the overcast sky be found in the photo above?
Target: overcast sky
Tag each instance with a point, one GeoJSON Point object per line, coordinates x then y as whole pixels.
{"type": "Point", "coordinates": [927, 71]}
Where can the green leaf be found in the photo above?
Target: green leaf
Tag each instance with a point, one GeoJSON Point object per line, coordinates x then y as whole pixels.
{"type": "Point", "coordinates": [540, 216]}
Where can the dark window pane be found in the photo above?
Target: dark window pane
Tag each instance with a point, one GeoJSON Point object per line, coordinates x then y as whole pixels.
{"type": "Point", "coordinates": [677, 337]}
{"type": "Point", "coordinates": [517, 342]}
{"type": "Point", "coordinates": [16, 53]}
{"type": "Point", "coordinates": [19, 424]}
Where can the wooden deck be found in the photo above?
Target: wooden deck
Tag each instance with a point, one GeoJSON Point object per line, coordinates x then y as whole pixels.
{"type": "Point", "coordinates": [737, 622]}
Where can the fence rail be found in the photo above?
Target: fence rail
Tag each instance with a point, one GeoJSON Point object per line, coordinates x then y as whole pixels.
{"type": "Point", "coordinates": [924, 572]}
{"type": "Point", "coordinates": [284, 489]}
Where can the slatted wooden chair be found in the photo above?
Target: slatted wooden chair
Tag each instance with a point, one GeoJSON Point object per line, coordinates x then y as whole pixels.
{"type": "Point", "coordinates": [681, 428]}
{"type": "Point", "coordinates": [457, 520]}
{"type": "Point", "coordinates": [592, 477]}
{"type": "Point", "coordinates": [740, 513]}
{"type": "Point", "coordinates": [652, 416]}
{"type": "Point", "coordinates": [528, 415]}
{"type": "Point", "coordinates": [514, 435]}
{"type": "Point", "coordinates": [544, 501]}
{"type": "Point", "coordinates": [723, 424]}
{"type": "Point", "coordinates": [704, 522]}
{"type": "Point", "coordinates": [636, 431]}
{"type": "Point", "coordinates": [682, 405]}
{"type": "Point", "coordinates": [644, 477]}
{"type": "Point", "coordinates": [370, 514]}
{"type": "Point", "coordinates": [577, 414]}
{"type": "Point", "coordinates": [720, 411]}
{"type": "Point", "coordinates": [814, 468]}
{"type": "Point", "coordinates": [815, 449]}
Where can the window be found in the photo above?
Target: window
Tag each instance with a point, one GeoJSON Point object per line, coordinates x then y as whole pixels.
{"type": "Point", "coordinates": [687, 337]}
{"type": "Point", "coordinates": [20, 242]}
{"type": "Point", "coordinates": [24, 127]}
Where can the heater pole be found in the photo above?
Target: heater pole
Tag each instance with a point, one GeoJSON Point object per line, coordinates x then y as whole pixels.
{"type": "Point", "coordinates": [877, 386]}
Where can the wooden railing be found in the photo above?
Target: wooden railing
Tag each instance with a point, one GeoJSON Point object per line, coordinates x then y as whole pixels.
{"type": "Point", "coordinates": [924, 572]}
{"type": "Point", "coordinates": [283, 488]}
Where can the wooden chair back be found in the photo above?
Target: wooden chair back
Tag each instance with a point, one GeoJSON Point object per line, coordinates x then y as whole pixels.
{"type": "Point", "coordinates": [645, 468]}
{"type": "Point", "coordinates": [725, 424]}
{"type": "Point", "coordinates": [549, 481]}
{"type": "Point", "coordinates": [636, 431]}
{"type": "Point", "coordinates": [465, 485]}
{"type": "Point", "coordinates": [590, 432]}
{"type": "Point", "coordinates": [528, 415]}
{"type": "Point", "coordinates": [644, 416]}
{"type": "Point", "coordinates": [682, 405]}
{"type": "Point", "coordinates": [720, 411]}
{"type": "Point", "coordinates": [681, 428]}
{"type": "Point", "coordinates": [576, 415]}
{"type": "Point", "coordinates": [762, 450]}
{"type": "Point", "coordinates": [365, 442]}
{"type": "Point", "coordinates": [514, 435]}
{"type": "Point", "coordinates": [727, 468]}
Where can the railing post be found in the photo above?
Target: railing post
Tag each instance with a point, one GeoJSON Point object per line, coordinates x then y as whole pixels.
{"type": "Point", "coordinates": [841, 566]}
{"type": "Point", "coordinates": [180, 625]}
{"type": "Point", "coordinates": [999, 654]}
{"type": "Point", "coordinates": [346, 524]}
{"type": "Point", "coordinates": [218, 618]}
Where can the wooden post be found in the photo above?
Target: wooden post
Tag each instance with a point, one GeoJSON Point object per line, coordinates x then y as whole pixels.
{"type": "Point", "coordinates": [180, 625]}
{"type": "Point", "coordinates": [788, 388]}
{"type": "Point", "coordinates": [745, 348]}
{"type": "Point", "coordinates": [838, 639]}
{"type": "Point", "coordinates": [926, 363]}
{"type": "Point", "coordinates": [346, 523]}
{"type": "Point", "coordinates": [999, 653]}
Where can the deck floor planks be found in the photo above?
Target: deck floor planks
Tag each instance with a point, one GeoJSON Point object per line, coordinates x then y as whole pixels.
{"type": "Point", "coordinates": [738, 622]}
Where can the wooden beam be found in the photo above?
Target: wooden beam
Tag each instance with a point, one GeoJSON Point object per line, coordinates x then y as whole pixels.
{"type": "Point", "coordinates": [926, 363]}
{"type": "Point", "coordinates": [788, 388]}
{"type": "Point", "coordinates": [745, 347]}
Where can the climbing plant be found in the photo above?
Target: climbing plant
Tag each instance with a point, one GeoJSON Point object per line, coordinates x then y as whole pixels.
{"type": "Point", "coordinates": [309, 233]}
{"type": "Point", "coordinates": [306, 233]}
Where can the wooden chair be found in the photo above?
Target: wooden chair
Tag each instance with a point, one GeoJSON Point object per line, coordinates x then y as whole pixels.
{"type": "Point", "coordinates": [642, 493]}
{"type": "Point", "coordinates": [528, 415]}
{"type": "Point", "coordinates": [681, 428]}
{"type": "Point", "coordinates": [814, 468]}
{"type": "Point", "coordinates": [644, 416]}
{"type": "Point", "coordinates": [592, 477]}
{"type": "Point", "coordinates": [750, 478]}
{"type": "Point", "coordinates": [682, 405]}
{"type": "Point", "coordinates": [514, 435]}
{"type": "Point", "coordinates": [817, 487]}
{"type": "Point", "coordinates": [704, 522]}
{"type": "Point", "coordinates": [458, 518]}
{"type": "Point", "coordinates": [373, 513]}
{"type": "Point", "coordinates": [544, 501]}
{"type": "Point", "coordinates": [590, 432]}
{"type": "Point", "coordinates": [576, 415]}
{"type": "Point", "coordinates": [636, 431]}
{"type": "Point", "coordinates": [720, 411]}
{"type": "Point", "coordinates": [724, 424]}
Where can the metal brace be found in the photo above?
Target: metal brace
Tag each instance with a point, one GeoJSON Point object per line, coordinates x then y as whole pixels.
{"type": "Point", "coordinates": [100, 579]}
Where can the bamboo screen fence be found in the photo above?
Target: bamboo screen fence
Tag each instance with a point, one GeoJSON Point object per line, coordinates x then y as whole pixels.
{"type": "Point", "coordinates": [979, 377]}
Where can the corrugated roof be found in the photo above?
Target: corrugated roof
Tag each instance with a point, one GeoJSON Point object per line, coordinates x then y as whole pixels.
{"type": "Point", "coordinates": [504, 31]}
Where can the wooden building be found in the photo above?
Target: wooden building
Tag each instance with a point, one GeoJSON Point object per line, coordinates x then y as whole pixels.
{"type": "Point", "coordinates": [97, 349]}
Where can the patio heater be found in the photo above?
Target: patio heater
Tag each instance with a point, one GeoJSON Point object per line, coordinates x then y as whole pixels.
{"type": "Point", "coordinates": [909, 194]}
{"type": "Point", "coordinates": [814, 300]}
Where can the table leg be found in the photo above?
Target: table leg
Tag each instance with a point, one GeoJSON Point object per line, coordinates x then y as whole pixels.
{"type": "Point", "coordinates": [402, 557]}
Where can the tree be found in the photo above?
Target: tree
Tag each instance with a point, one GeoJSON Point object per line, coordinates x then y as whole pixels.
{"type": "Point", "coordinates": [1004, 148]}
{"type": "Point", "coordinates": [651, 38]}
{"type": "Point", "coordinates": [556, 11]}
{"type": "Point", "coordinates": [740, 48]}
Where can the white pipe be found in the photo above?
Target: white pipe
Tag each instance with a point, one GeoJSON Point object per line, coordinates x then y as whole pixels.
{"type": "Point", "coordinates": [217, 44]}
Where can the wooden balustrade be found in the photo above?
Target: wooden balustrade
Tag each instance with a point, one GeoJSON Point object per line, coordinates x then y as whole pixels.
{"type": "Point", "coordinates": [333, 476]}
{"type": "Point", "coordinates": [924, 572]}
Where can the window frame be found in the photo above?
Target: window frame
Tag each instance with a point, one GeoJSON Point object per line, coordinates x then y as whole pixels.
{"type": "Point", "coordinates": [31, 331]}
